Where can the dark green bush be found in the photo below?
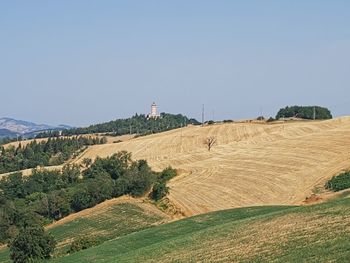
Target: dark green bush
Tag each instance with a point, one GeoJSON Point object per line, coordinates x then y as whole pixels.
{"type": "Point", "coordinates": [167, 174]}
{"type": "Point", "coordinates": [339, 182]}
{"type": "Point", "coordinates": [210, 122]}
{"type": "Point", "coordinates": [159, 191]}
{"type": "Point", "coordinates": [82, 243]}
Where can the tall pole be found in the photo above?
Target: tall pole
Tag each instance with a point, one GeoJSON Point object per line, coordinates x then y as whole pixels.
{"type": "Point", "coordinates": [203, 115]}
{"type": "Point", "coordinates": [315, 112]}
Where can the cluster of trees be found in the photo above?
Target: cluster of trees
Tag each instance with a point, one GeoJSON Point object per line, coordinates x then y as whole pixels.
{"type": "Point", "coordinates": [339, 182]}
{"type": "Point", "coordinates": [51, 195]}
{"type": "Point", "coordinates": [138, 124]}
{"type": "Point", "coordinates": [54, 151]}
{"type": "Point", "coordinates": [305, 112]}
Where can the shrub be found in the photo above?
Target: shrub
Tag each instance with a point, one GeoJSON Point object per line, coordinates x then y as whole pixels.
{"type": "Point", "coordinates": [82, 243]}
{"type": "Point", "coordinates": [210, 122]}
{"type": "Point", "coordinates": [167, 174]}
{"type": "Point", "coordinates": [159, 191]}
{"type": "Point", "coordinates": [340, 182]}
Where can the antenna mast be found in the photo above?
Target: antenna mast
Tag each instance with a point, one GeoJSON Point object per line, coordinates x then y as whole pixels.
{"type": "Point", "coordinates": [203, 115]}
{"type": "Point", "coordinates": [314, 112]}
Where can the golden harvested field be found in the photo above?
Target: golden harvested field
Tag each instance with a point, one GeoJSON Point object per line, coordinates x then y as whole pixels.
{"type": "Point", "coordinates": [28, 172]}
{"type": "Point", "coordinates": [251, 164]}
{"type": "Point", "coordinates": [110, 139]}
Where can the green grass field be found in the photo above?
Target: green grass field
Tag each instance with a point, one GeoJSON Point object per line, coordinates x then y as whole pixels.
{"type": "Point", "coordinates": [4, 256]}
{"type": "Point", "coordinates": [319, 233]}
{"type": "Point", "coordinates": [117, 221]}
{"type": "Point", "coordinates": [108, 223]}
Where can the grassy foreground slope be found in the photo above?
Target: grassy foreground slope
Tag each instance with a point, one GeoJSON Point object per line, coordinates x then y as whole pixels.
{"type": "Point", "coordinates": [251, 164]}
{"type": "Point", "coordinates": [319, 233]}
{"type": "Point", "coordinates": [109, 220]}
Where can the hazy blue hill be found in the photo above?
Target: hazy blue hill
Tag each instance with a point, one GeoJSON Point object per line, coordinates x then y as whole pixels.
{"type": "Point", "coordinates": [7, 133]}
{"type": "Point", "coordinates": [10, 127]}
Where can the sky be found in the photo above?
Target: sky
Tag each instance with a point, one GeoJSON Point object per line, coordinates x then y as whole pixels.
{"type": "Point", "coordinates": [83, 62]}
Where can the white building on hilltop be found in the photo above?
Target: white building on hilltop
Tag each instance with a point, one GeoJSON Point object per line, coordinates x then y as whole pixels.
{"type": "Point", "coordinates": [154, 114]}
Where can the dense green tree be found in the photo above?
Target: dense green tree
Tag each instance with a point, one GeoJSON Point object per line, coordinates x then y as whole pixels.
{"type": "Point", "coordinates": [100, 189]}
{"type": "Point", "coordinates": [58, 204]}
{"type": "Point", "coordinates": [71, 174]}
{"type": "Point", "coordinates": [159, 191]}
{"type": "Point", "coordinates": [304, 112]}
{"type": "Point", "coordinates": [12, 186]}
{"type": "Point", "coordinates": [38, 203]}
{"type": "Point", "coordinates": [115, 166]}
{"type": "Point", "coordinates": [81, 200]}
{"type": "Point", "coordinates": [32, 244]}
{"type": "Point", "coordinates": [8, 215]}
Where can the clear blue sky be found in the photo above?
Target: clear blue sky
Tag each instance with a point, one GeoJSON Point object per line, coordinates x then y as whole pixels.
{"type": "Point", "coordinates": [82, 62]}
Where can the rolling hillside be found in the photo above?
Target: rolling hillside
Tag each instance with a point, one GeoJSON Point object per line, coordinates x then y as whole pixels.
{"type": "Point", "coordinates": [251, 164]}
{"type": "Point", "coordinates": [318, 233]}
{"type": "Point", "coordinates": [109, 220]}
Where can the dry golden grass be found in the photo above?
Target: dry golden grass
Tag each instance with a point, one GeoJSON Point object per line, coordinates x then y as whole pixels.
{"type": "Point", "coordinates": [251, 164]}
{"type": "Point", "coordinates": [28, 172]}
{"type": "Point", "coordinates": [110, 139]}
{"type": "Point", "coordinates": [261, 238]}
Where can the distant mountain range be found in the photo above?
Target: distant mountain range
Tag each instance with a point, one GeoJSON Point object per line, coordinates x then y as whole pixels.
{"type": "Point", "coordinates": [11, 128]}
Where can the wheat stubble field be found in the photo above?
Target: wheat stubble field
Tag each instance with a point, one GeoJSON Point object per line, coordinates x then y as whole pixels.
{"type": "Point", "coordinates": [251, 164]}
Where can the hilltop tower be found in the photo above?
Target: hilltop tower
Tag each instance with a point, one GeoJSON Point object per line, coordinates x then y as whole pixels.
{"type": "Point", "coordinates": [154, 113]}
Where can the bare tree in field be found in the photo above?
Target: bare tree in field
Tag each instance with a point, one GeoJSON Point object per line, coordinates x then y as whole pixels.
{"type": "Point", "coordinates": [210, 142]}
